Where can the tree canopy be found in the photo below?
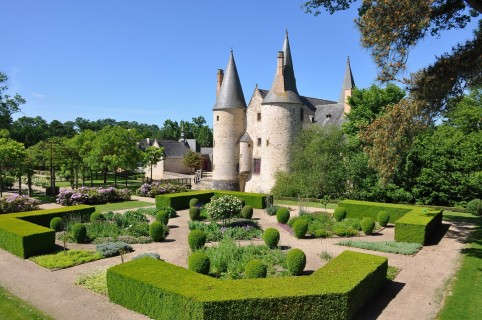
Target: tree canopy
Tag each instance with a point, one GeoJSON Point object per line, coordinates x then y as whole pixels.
{"type": "Point", "coordinates": [8, 104]}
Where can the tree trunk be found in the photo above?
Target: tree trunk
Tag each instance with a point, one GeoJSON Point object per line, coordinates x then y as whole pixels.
{"type": "Point", "coordinates": [126, 177]}
{"type": "Point", "coordinates": [29, 184]}
{"type": "Point", "coordinates": [20, 184]}
{"type": "Point", "coordinates": [105, 176]}
{"type": "Point", "coordinates": [151, 173]}
{"type": "Point", "coordinates": [91, 178]}
{"type": "Point", "coordinates": [115, 179]}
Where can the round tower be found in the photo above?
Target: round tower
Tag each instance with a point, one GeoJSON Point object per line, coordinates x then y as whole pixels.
{"type": "Point", "coordinates": [229, 125]}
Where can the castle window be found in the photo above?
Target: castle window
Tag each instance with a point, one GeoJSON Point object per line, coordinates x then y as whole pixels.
{"type": "Point", "coordinates": [259, 116]}
{"type": "Point", "coordinates": [256, 166]}
{"type": "Point", "coordinates": [217, 118]}
{"type": "Point", "coordinates": [267, 142]}
{"type": "Point", "coordinates": [259, 142]}
{"type": "Point", "coordinates": [301, 114]}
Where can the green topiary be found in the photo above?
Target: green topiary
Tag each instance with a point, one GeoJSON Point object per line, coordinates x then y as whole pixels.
{"type": "Point", "coordinates": [196, 239]}
{"type": "Point", "coordinates": [339, 214]}
{"type": "Point", "coordinates": [282, 215]}
{"type": "Point", "coordinates": [57, 224]}
{"type": "Point", "coordinates": [296, 261]}
{"type": "Point", "coordinates": [271, 237]}
{"type": "Point", "coordinates": [170, 210]}
{"type": "Point", "coordinates": [367, 225]}
{"type": "Point", "coordinates": [163, 217]}
{"type": "Point", "coordinates": [247, 212]}
{"type": "Point", "coordinates": [194, 213]}
{"type": "Point", "coordinates": [158, 231]}
{"type": "Point", "coordinates": [255, 269]}
{"type": "Point", "coordinates": [199, 262]}
{"type": "Point", "coordinates": [383, 217]}
{"type": "Point", "coordinates": [475, 207]}
{"type": "Point", "coordinates": [79, 233]}
{"type": "Point", "coordinates": [193, 202]}
{"type": "Point", "coordinates": [96, 216]}
{"type": "Point", "coordinates": [300, 227]}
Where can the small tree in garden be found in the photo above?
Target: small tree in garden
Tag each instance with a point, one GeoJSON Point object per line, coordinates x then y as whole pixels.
{"type": "Point", "coordinates": [152, 156]}
{"type": "Point", "coordinates": [324, 201]}
{"type": "Point", "coordinates": [192, 160]}
{"type": "Point", "coordinates": [224, 208]}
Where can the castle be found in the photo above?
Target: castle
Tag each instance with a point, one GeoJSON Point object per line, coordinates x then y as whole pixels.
{"type": "Point", "coordinates": [252, 142]}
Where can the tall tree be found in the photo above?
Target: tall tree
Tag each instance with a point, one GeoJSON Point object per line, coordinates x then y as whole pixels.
{"type": "Point", "coordinates": [8, 104]}
{"type": "Point", "coordinates": [152, 156]}
{"type": "Point", "coordinates": [12, 153]}
{"type": "Point", "coordinates": [30, 130]}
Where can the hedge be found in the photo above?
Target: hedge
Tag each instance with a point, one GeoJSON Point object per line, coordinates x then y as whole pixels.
{"type": "Point", "coordinates": [164, 291]}
{"type": "Point", "coordinates": [360, 209]}
{"type": "Point", "coordinates": [417, 226]}
{"type": "Point", "coordinates": [180, 201]}
{"type": "Point", "coordinates": [27, 234]}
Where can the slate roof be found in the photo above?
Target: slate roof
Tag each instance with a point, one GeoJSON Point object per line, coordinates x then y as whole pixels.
{"type": "Point", "coordinates": [348, 81]}
{"type": "Point", "coordinates": [230, 94]}
{"type": "Point", "coordinates": [245, 138]}
{"type": "Point", "coordinates": [172, 148]}
{"type": "Point", "coordinates": [330, 114]}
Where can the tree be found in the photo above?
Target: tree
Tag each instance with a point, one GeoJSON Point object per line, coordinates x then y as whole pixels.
{"type": "Point", "coordinates": [8, 105]}
{"type": "Point", "coordinates": [12, 153]}
{"type": "Point", "coordinates": [30, 131]}
{"type": "Point", "coordinates": [192, 160]}
{"type": "Point", "coordinates": [59, 129]}
{"type": "Point", "coordinates": [152, 156]}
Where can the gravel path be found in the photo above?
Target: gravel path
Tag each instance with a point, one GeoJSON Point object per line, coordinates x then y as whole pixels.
{"type": "Point", "coordinates": [415, 294]}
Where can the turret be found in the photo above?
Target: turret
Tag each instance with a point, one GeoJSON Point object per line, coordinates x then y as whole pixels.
{"type": "Point", "coordinates": [347, 87]}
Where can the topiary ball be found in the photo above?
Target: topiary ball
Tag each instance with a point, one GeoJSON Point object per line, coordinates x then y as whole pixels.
{"type": "Point", "coordinates": [57, 224]}
{"type": "Point", "coordinates": [383, 217]}
{"type": "Point", "coordinates": [475, 207]}
{"type": "Point", "coordinates": [163, 217]}
{"type": "Point", "coordinates": [271, 237]}
{"type": "Point", "coordinates": [255, 269]}
{"type": "Point", "coordinates": [199, 262]}
{"type": "Point", "coordinates": [96, 216]}
{"type": "Point", "coordinates": [339, 214]}
{"type": "Point", "coordinates": [171, 211]}
{"type": "Point", "coordinates": [79, 233]}
{"type": "Point", "coordinates": [196, 239]}
{"type": "Point", "coordinates": [300, 227]}
{"type": "Point", "coordinates": [282, 215]}
{"type": "Point", "coordinates": [193, 202]}
{"type": "Point", "coordinates": [158, 231]}
{"type": "Point", "coordinates": [367, 225]}
{"type": "Point", "coordinates": [194, 213]}
{"type": "Point", "coordinates": [247, 212]}
{"type": "Point", "coordinates": [296, 261]}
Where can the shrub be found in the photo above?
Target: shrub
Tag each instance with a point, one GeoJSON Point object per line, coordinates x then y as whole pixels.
{"type": "Point", "coordinates": [110, 249]}
{"type": "Point", "coordinates": [194, 213]}
{"type": "Point", "coordinates": [271, 237]}
{"type": "Point", "coordinates": [158, 231]}
{"type": "Point", "coordinates": [152, 255]}
{"type": "Point", "coordinates": [224, 208]}
{"type": "Point", "coordinates": [199, 262]}
{"type": "Point", "coordinates": [87, 195]}
{"type": "Point", "coordinates": [193, 202]}
{"type": "Point", "coordinates": [296, 261]}
{"type": "Point", "coordinates": [282, 215]}
{"type": "Point", "coordinates": [255, 269]}
{"type": "Point", "coordinates": [152, 190]}
{"type": "Point", "coordinates": [367, 225]}
{"type": "Point", "coordinates": [57, 224]}
{"type": "Point", "coordinates": [300, 227]}
{"type": "Point", "coordinates": [196, 239]}
{"type": "Point", "coordinates": [170, 210]}
{"type": "Point", "coordinates": [247, 212]}
{"type": "Point", "coordinates": [162, 217]}
{"type": "Point", "coordinates": [339, 214]}
{"type": "Point", "coordinates": [475, 207]}
{"type": "Point", "coordinates": [383, 217]}
{"type": "Point", "coordinates": [96, 216]}
{"type": "Point", "coordinates": [79, 232]}
{"type": "Point", "coordinates": [271, 210]}
{"type": "Point", "coordinates": [18, 203]}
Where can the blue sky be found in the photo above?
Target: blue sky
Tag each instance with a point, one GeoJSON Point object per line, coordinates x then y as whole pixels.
{"type": "Point", "coordinates": [148, 61]}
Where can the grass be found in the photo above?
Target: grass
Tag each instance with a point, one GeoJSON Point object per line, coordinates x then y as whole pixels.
{"type": "Point", "coordinates": [95, 281]}
{"type": "Point", "coordinates": [392, 272]}
{"type": "Point", "coordinates": [465, 298]}
{"type": "Point", "coordinates": [124, 205]}
{"type": "Point", "coordinates": [66, 259]}
{"type": "Point", "coordinates": [14, 308]}
{"type": "Point", "coordinates": [384, 246]}
{"type": "Point", "coordinates": [305, 204]}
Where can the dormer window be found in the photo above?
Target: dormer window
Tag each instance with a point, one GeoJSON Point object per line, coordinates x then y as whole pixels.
{"type": "Point", "coordinates": [328, 115]}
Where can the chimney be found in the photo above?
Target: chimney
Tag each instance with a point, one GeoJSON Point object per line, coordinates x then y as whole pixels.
{"type": "Point", "coordinates": [220, 77]}
{"type": "Point", "coordinates": [280, 82]}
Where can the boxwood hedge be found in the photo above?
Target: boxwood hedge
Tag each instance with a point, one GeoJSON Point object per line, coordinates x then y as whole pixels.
{"type": "Point", "coordinates": [361, 209]}
{"type": "Point", "coordinates": [26, 234]}
{"type": "Point", "coordinates": [164, 291]}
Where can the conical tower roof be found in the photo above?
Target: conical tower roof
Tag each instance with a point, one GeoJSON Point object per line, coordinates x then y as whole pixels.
{"type": "Point", "coordinates": [348, 81]}
{"type": "Point", "coordinates": [230, 94]}
{"type": "Point", "coordinates": [284, 88]}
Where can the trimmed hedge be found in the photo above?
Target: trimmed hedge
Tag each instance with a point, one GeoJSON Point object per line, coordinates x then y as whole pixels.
{"type": "Point", "coordinates": [417, 227]}
{"type": "Point", "coordinates": [180, 201]}
{"type": "Point", "coordinates": [361, 209]}
{"type": "Point", "coordinates": [164, 291]}
{"type": "Point", "coordinates": [27, 234]}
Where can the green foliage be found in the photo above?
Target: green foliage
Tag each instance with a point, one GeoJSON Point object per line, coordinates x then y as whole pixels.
{"type": "Point", "coordinates": [300, 227]}
{"type": "Point", "coordinates": [271, 210]}
{"type": "Point", "coordinates": [418, 226]}
{"type": "Point", "coordinates": [367, 225]}
{"type": "Point", "coordinates": [282, 215]}
{"type": "Point", "coordinates": [339, 214]}
{"type": "Point", "coordinates": [152, 255]}
{"type": "Point", "coordinates": [247, 212]}
{"type": "Point", "coordinates": [163, 217]}
{"type": "Point", "coordinates": [56, 224]}
{"type": "Point", "coordinates": [475, 207]}
{"type": "Point", "coordinates": [383, 217]}
{"type": "Point", "coordinates": [236, 230]}
{"type": "Point", "coordinates": [151, 156]}
{"type": "Point", "coordinates": [66, 259]}
{"type": "Point", "coordinates": [322, 225]}
{"type": "Point", "coordinates": [196, 239]}
{"type": "Point", "coordinates": [110, 249]}
{"type": "Point", "coordinates": [194, 213]}
{"type": "Point", "coordinates": [198, 262]}
{"type": "Point", "coordinates": [296, 261]}
{"type": "Point", "coordinates": [361, 209]}
{"type": "Point", "coordinates": [224, 208]}
{"type": "Point", "coordinates": [96, 216]}
{"type": "Point", "coordinates": [271, 237]}
{"type": "Point", "coordinates": [193, 202]}
{"type": "Point", "coordinates": [255, 269]}
{"type": "Point", "coordinates": [79, 233]}
{"type": "Point", "coordinates": [158, 231]}
{"type": "Point", "coordinates": [172, 213]}
{"type": "Point", "coordinates": [12, 154]}
{"type": "Point", "coordinates": [384, 246]}
{"type": "Point", "coordinates": [95, 281]}
{"type": "Point", "coordinates": [192, 159]}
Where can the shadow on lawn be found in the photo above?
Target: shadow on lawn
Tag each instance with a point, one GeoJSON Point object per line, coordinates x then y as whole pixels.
{"type": "Point", "coordinates": [374, 308]}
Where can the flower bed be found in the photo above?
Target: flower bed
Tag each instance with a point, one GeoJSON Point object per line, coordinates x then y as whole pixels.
{"type": "Point", "coordinates": [18, 203]}
{"type": "Point", "coordinates": [156, 188]}
{"type": "Point", "coordinates": [86, 195]}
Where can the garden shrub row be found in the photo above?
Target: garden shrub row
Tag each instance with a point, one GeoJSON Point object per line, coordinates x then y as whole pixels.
{"type": "Point", "coordinates": [164, 291]}
{"type": "Point", "coordinates": [360, 209]}
{"type": "Point", "coordinates": [180, 201]}
{"type": "Point", "coordinates": [27, 234]}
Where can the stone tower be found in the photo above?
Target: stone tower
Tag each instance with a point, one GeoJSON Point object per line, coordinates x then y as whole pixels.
{"type": "Point", "coordinates": [229, 125]}
{"type": "Point", "coordinates": [282, 117]}
{"type": "Point", "coordinates": [347, 87]}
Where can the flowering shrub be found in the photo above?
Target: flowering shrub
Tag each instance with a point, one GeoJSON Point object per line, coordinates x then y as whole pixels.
{"type": "Point", "coordinates": [18, 203]}
{"type": "Point", "coordinates": [38, 181]}
{"type": "Point", "coordinates": [224, 208]}
{"type": "Point", "coordinates": [153, 189]}
{"type": "Point", "coordinates": [86, 195]}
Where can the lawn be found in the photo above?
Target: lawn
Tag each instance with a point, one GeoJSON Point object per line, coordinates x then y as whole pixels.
{"type": "Point", "coordinates": [305, 204]}
{"type": "Point", "coordinates": [124, 205]}
{"type": "Point", "coordinates": [465, 298]}
{"type": "Point", "coordinates": [13, 308]}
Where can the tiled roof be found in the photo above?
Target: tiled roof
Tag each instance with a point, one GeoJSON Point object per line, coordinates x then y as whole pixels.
{"type": "Point", "coordinates": [230, 94]}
